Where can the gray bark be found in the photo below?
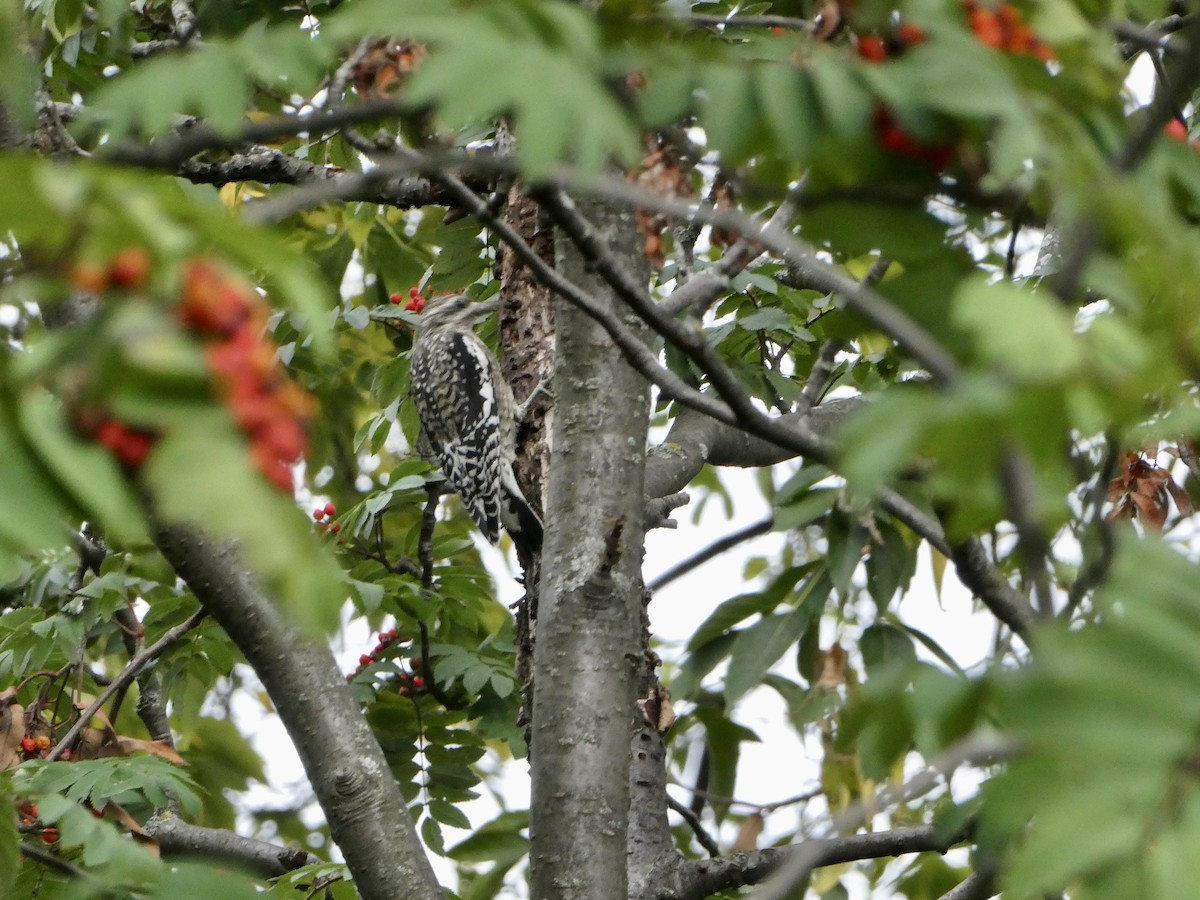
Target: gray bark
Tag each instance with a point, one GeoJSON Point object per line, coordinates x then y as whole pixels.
{"type": "Point", "coordinates": [367, 815]}
{"type": "Point", "coordinates": [587, 652]}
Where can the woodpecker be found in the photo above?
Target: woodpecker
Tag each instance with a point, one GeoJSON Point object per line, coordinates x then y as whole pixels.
{"type": "Point", "coordinates": [468, 414]}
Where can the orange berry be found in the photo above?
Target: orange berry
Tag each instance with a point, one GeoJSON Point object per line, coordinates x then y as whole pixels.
{"type": "Point", "coordinates": [42, 741]}
{"type": "Point", "coordinates": [987, 28]}
{"type": "Point", "coordinates": [909, 34]}
{"type": "Point", "coordinates": [89, 277]}
{"type": "Point", "coordinates": [1176, 130]}
{"type": "Point", "coordinates": [130, 267]}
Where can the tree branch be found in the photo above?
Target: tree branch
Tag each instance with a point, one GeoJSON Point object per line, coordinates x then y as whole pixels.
{"type": "Point", "coordinates": [177, 838]}
{"type": "Point", "coordinates": [711, 876]}
{"type": "Point", "coordinates": [974, 750]}
{"type": "Point", "coordinates": [979, 885]}
{"type": "Point", "coordinates": [367, 815]}
{"type": "Point", "coordinates": [716, 548]}
{"type": "Point", "coordinates": [124, 678]}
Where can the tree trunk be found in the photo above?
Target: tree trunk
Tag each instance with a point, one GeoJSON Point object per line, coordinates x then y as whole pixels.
{"type": "Point", "coordinates": [587, 651]}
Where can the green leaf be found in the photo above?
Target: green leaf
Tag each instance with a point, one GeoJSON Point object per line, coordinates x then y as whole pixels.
{"type": "Point", "coordinates": [785, 96]}
{"type": "Point", "coordinates": [884, 646]}
{"type": "Point", "coordinates": [431, 832]}
{"type": "Point", "coordinates": [1026, 333]}
{"type": "Point", "coordinates": [760, 646]}
{"type": "Point", "coordinates": [223, 492]}
{"type": "Point", "coordinates": [85, 469]}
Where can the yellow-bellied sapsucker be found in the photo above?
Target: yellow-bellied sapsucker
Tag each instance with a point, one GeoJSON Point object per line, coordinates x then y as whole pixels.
{"type": "Point", "coordinates": [468, 414]}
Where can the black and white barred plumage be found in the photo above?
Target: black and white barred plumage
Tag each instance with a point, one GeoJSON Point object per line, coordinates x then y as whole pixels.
{"type": "Point", "coordinates": [468, 415]}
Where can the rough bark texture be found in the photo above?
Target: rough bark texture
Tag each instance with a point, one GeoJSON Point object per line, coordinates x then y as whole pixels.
{"type": "Point", "coordinates": [367, 815]}
{"type": "Point", "coordinates": [587, 654]}
{"type": "Point", "coordinates": [527, 360]}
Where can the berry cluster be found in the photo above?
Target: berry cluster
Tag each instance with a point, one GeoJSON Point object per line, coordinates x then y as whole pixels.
{"type": "Point", "coordinates": [271, 410]}
{"type": "Point", "coordinates": [895, 139]}
{"type": "Point", "coordinates": [35, 746]}
{"type": "Point", "coordinates": [129, 269]}
{"type": "Point", "coordinates": [323, 516]}
{"type": "Point", "coordinates": [1004, 29]}
{"type": "Point", "coordinates": [415, 302]}
{"type": "Point", "coordinates": [29, 822]}
{"type": "Point", "coordinates": [408, 683]}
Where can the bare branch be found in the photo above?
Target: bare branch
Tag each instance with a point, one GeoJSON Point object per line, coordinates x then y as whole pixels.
{"type": "Point", "coordinates": [177, 838]}
{"type": "Point", "coordinates": [712, 550]}
{"type": "Point", "coordinates": [978, 885]}
{"type": "Point", "coordinates": [367, 815]}
{"type": "Point", "coordinates": [126, 676]}
{"type": "Point", "coordinates": [710, 876]}
{"type": "Point", "coordinates": [975, 750]}
{"type": "Point", "coordinates": [706, 840]}
{"type": "Point", "coordinates": [170, 152]}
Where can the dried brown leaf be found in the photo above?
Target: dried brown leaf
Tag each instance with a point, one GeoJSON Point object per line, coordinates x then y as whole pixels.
{"type": "Point", "coordinates": [748, 834]}
{"type": "Point", "coordinates": [12, 729]}
{"type": "Point", "coordinates": [833, 668]}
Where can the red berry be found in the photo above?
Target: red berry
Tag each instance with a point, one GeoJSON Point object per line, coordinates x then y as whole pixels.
{"type": "Point", "coordinates": [418, 681]}
{"type": "Point", "coordinates": [50, 835]}
{"type": "Point", "coordinates": [404, 691]}
{"type": "Point", "coordinates": [366, 659]}
{"type": "Point", "coordinates": [871, 48]}
{"type": "Point", "coordinates": [319, 513]}
{"type": "Point", "coordinates": [110, 433]}
{"type": "Point", "coordinates": [1176, 130]}
{"type": "Point", "coordinates": [330, 509]}
{"type": "Point", "coordinates": [130, 267]}
{"type": "Point", "coordinates": [909, 34]}
{"type": "Point", "coordinates": [416, 302]}
{"type": "Point", "coordinates": [335, 527]}
{"type": "Point", "coordinates": [396, 298]}
{"type": "Point", "coordinates": [29, 745]}
{"type": "Point", "coordinates": [135, 447]}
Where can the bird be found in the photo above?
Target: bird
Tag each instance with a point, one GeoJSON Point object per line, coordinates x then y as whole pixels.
{"type": "Point", "coordinates": [469, 418]}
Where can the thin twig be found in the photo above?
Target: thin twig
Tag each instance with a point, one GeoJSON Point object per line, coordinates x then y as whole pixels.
{"type": "Point", "coordinates": [55, 862]}
{"type": "Point", "coordinates": [716, 548]}
{"type": "Point", "coordinates": [1095, 568]}
{"type": "Point", "coordinates": [126, 675]}
{"type": "Point", "coordinates": [705, 839]}
{"type": "Point", "coordinates": [978, 749]}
